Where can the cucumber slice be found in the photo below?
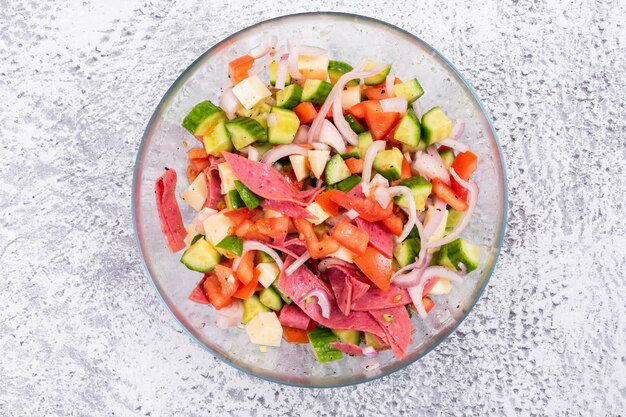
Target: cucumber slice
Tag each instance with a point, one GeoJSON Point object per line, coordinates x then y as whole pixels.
{"type": "Point", "coordinates": [365, 140]}
{"type": "Point", "coordinates": [203, 118]}
{"type": "Point", "coordinates": [406, 251]}
{"type": "Point", "coordinates": [349, 183]}
{"type": "Point", "coordinates": [271, 299]}
{"type": "Point", "coordinates": [351, 152]}
{"type": "Point", "coordinates": [251, 307]}
{"type": "Point", "coordinates": [348, 336]}
{"type": "Point", "coordinates": [389, 164]}
{"type": "Point", "coordinates": [355, 125]}
{"type": "Point", "coordinates": [286, 299]}
{"type": "Point", "coordinates": [421, 146]}
{"type": "Point", "coordinates": [250, 199]}
{"type": "Point", "coordinates": [408, 130]}
{"type": "Point", "coordinates": [263, 148]}
{"type": "Point", "coordinates": [370, 340]}
{"type": "Point", "coordinates": [217, 140]}
{"type": "Point", "coordinates": [336, 170]}
{"type": "Point", "coordinates": [376, 78]}
{"type": "Point", "coordinates": [233, 200]}
{"type": "Point", "coordinates": [420, 188]}
{"type": "Point", "coordinates": [201, 256]}
{"type": "Point", "coordinates": [411, 90]}
{"type": "Point", "coordinates": [244, 131]}
{"type": "Point", "coordinates": [316, 91]}
{"type": "Point", "coordinates": [447, 156]}
{"type": "Point", "coordinates": [336, 69]}
{"type": "Point", "coordinates": [289, 97]}
{"type": "Point", "coordinates": [285, 128]}
{"type": "Point", "coordinates": [443, 259]}
{"type": "Point", "coordinates": [274, 71]}
{"type": "Point", "coordinates": [460, 250]}
{"type": "Point", "coordinates": [320, 340]}
{"type": "Point", "coordinates": [454, 218]}
{"type": "Point", "coordinates": [232, 246]}
{"type": "Point", "coordinates": [436, 126]}
{"type": "Point", "coordinates": [261, 257]}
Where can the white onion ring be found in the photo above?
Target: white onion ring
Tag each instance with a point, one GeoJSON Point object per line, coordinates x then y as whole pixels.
{"type": "Point", "coordinates": [282, 151]}
{"type": "Point", "coordinates": [267, 44]}
{"type": "Point", "coordinates": [473, 199]}
{"type": "Point", "coordinates": [454, 144]}
{"type": "Point", "coordinates": [330, 262]}
{"type": "Point", "coordinates": [457, 130]}
{"type": "Point", "coordinates": [435, 220]}
{"type": "Point", "coordinates": [331, 136]}
{"type": "Point", "coordinates": [412, 280]}
{"type": "Point", "coordinates": [352, 214]}
{"type": "Point", "coordinates": [320, 146]}
{"type": "Point", "coordinates": [298, 263]}
{"type": "Point", "coordinates": [407, 156]}
{"type": "Point", "coordinates": [382, 196]}
{"type": "Point", "coordinates": [427, 166]}
{"type": "Point", "coordinates": [312, 50]}
{"type": "Point", "coordinates": [281, 73]}
{"type": "Point", "coordinates": [292, 61]}
{"type": "Point", "coordinates": [369, 352]}
{"type": "Point", "coordinates": [394, 105]}
{"type": "Point", "coordinates": [379, 179]}
{"type": "Point", "coordinates": [301, 135]}
{"type": "Point", "coordinates": [261, 65]}
{"type": "Point", "coordinates": [229, 102]}
{"type": "Point", "coordinates": [368, 162]}
{"type": "Point", "coordinates": [389, 82]}
{"type": "Point", "coordinates": [202, 215]}
{"type": "Point", "coordinates": [253, 153]}
{"type": "Point", "coordinates": [417, 108]}
{"type": "Point", "coordinates": [322, 301]}
{"type": "Point", "coordinates": [249, 245]}
{"type": "Point", "coordinates": [400, 189]}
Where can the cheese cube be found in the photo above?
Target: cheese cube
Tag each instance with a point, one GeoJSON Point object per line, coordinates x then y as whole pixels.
{"type": "Point", "coordinates": [217, 227]}
{"type": "Point", "coordinates": [317, 161]}
{"type": "Point", "coordinates": [250, 91]}
{"type": "Point", "coordinates": [313, 67]}
{"type": "Point", "coordinates": [351, 96]}
{"type": "Point", "coordinates": [227, 176]}
{"type": "Point", "coordinates": [442, 287]}
{"type": "Point", "coordinates": [344, 254]}
{"type": "Point", "coordinates": [265, 329]}
{"type": "Point", "coordinates": [195, 195]}
{"type": "Point", "coordinates": [318, 212]}
{"type": "Point", "coordinates": [267, 272]}
{"type": "Point", "coordinates": [299, 165]}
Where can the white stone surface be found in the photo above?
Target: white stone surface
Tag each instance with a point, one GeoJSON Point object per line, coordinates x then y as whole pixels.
{"type": "Point", "coordinates": [81, 330]}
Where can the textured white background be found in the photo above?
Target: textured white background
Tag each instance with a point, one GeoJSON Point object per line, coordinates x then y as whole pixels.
{"type": "Point", "coordinates": [81, 331]}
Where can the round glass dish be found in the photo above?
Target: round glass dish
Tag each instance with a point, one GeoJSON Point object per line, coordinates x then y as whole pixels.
{"type": "Point", "coordinates": [348, 38]}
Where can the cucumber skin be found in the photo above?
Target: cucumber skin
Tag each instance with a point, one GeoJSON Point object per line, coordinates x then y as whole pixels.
{"type": "Point", "coordinates": [355, 125]}
{"type": "Point", "coordinates": [285, 129]}
{"type": "Point", "coordinates": [389, 164]}
{"type": "Point", "coordinates": [336, 170]}
{"type": "Point", "coordinates": [250, 199]}
{"type": "Point", "coordinates": [251, 307]}
{"type": "Point", "coordinates": [271, 299]}
{"type": "Point", "coordinates": [210, 258]}
{"type": "Point", "coordinates": [199, 115]}
{"type": "Point", "coordinates": [336, 69]}
{"type": "Point", "coordinates": [293, 95]}
{"type": "Point", "coordinates": [458, 251]}
{"type": "Point", "coordinates": [320, 340]}
{"type": "Point", "coordinates": [317, 96]}
{"type": "Point", "coordinates": [245, 131]}
{"type": "Point", "coordinates": [411, 90]}
{"type": "Point", "coordinates": [408, 125]}
{"type": "Point", "coordinates": [231, 244]}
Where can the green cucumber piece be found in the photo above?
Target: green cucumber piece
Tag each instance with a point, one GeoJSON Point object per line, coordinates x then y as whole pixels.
{"type": "Point", "coordinates": [201, 256]}
{"type": "Point", "coordinates": [289, 97]}
{"type": "Point", "coordinates": [270, 298]}
{"type": "Point", "coordinates": [203, 118]}
{"type": "Point", "coordinates": [411, 90]}
{"type": "Point", "coordinates": [251, 307]}
{"type": "Point", "coordinates": [406, 251]}
{"type": "Point", "coordinates": [454, 217]}
{"type": "Point", "coordinates": [420, 188]}
{"type": "Point", "coordinates": [336, 170]}
{"type": "Point", "coordinates": [285, 128]}
{"type": "Point", "coordinates": [261, 257]}
{"type": "Point", "coordinates": [371, 340]}
{"type": "Point", "coordinates": [376, 78]}
{"type": "Point", "coordinates": [244, 131]}
{"type": "Point", "coordinates": [447, 157]}
{"type": "Point", "coordinates": [320, 340]}
{"type": "Point", "coordinates": [250, 199]}
{"type": "Point", "coordinates": [443, 259]}
{"type": "Point", "coordinates": [316, 91]}
{"type": "Point", "coordinates": [286, 299]}
{"type": "Point", "coordinates": [409, 129]}
{"type": "Point", "coordinates": [233, 200]}
{"type": "Point", "coordinates": [365, 140]}
{"type": "Point", "coordinates": [274, 72]}
{"type": "Point", "coordinates": [389, 164]}
{"type": "Point", "coordinates": [436, 126]}
{"type": "Point", "coordinates": [217, 140]}
{"type": "Point", "coordinates": [195, 239]}
{"type": "Point", "coordinates": [348, 336]}
{"type": "Point", "coordinates": [421, 146]}
{"type": "Point", "coordinates": [349, 183]}
{"type": "Point", "coordinates": [355, 125]}
{"type": "Point", "coordinates": [263, 148]}
{"type": "Point", "coordinates": [462, 251]}
{"type": "Point", "coordinates": [351, 152]}
{"type": "Point", "coordinates": [336, 69]}
{"type": "Point", "coordinates": [232, 245]}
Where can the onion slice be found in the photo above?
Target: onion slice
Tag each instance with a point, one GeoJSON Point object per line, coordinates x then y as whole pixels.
{"type": "Point", "coordinates": [272, 119]}
{"type": "Point", "coordinates": [229, 102]}
{"type": "Point", "coordinates": [281, 72]}
{"type": "Point", "coordinates": [282, 151]}
{"type": "Point", "coordinates": [417, 108]}
{"type": "Point", "coordinates": [327, 263]}
{"type": "Point", "coordinates": [435, 220]}
{"type": "Point", "coordinates": [312, 50]}
{"type": "Point", "coordinates": [249, 245]}
{"type": "Point", "coordinates": [267, 44]}
{"type": "Point", "coordinates": [202, 215]}
{"type": "Point", "coordinates": [261, 65]}
{"type": "Point", "coordinates": [292, 61]}
{"type": "Point", "coordinates": [331, 136]}
{"type": "Point", "coordinates": [412, 280]}
{"type": "Point", "coordinates": [389, 82]}
{"type": "Point", "coordinates": [301, 135]}
{"type": "Point", "coordinates": [369, 352]}
{"type": "Point", "coordinates": [454, 144]}
{"type": "Point", "coordinates": [368, 162]}
{"type": "Point", "coordinates": [230, 316]}
{"type": "Point", "coordinates": [253, 153]}
{"type": "Point", "coordinates": [428, 166]}
{"type": "Point", "coordinates": [382, 196]}
{"type": "Point", "coordinates": [397, 104]}
{"type": "Point", "coordinates": [457, 130]}
{"type": "Point", "coordinates": [322, 301]}
{"type": "Point", "coordinates": [400, 189]}
{"type": "Point", "coordinates": [298, 263]}
{"type": "Point", "coordinates": [473, 199]}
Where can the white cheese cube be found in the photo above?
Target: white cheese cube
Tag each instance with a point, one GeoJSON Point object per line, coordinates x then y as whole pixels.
{"type": "Point", "coordinates": [227, 176]}
{"type": "Point", "coordinates": [318, 212]}
{"type": "Point", "coordinates": [441, 228]}
{"type": "Point", "coordinates": [268, 272]}
{"type": "Point", "coordinates": [265, 329]}
{"type": "Point", "coordinates": [351, 96]}
{"type": "Point", "coordinates": [443, 286]}
{"type": "Point", "coordinates": [300, 167]}
{"type": "Point", "coordinates": [217, 227]}
{"type": "Point", "coordinates": [195, 195]}
{"type": "Point", "coordinates": [317, 161]}
{"type": "Point", "coordinates": [344, 254]}
{"type": "Point", "coordinates": [313, 67]}
{"type": "Point", "coordinates": [250, 91]}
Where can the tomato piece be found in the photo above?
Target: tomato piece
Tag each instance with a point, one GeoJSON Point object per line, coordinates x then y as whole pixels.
{"type": "Point", "coordinates": [238, 68]}
{"type": "Point", "coordinates": [406, 170]}
{"type": "Point", "coordinates": [293, 335]}
{"type": "Point", "coordinates": [197, 153]}
{"type": "Point", "coordinates": [447, 194]}
{"type": "Point", "coordinates": [329, 113]}
{"type": "Point", "coordinates": [351, 236]}
{"type": "Point", "coordinates": [358, 110]}
{"type": "Point", "coordinates": [245, 269]}
{"type": "Point", "coordinates": [306, 112]}
{"type": "Point", "coordinates": [379, 122]}
{"type": "Point", "coordinates": [317, 248]}
{"type": "Point", "coordinates": [192, 174]}
{"type": "Point", "coordinates": [312, 325]}
{"type": "Point", "coordinates": [293, 180]}
{"type": "Point", "coordinates": [375, 266]}
{"type": "Point", "coordinates": [247, 290]}
{"type": "Point", "coordinates": [367, 208]}
{"type": "Point", "coordinates": [240, 214]}
{"type": "Point", "coordinates": [355, 165]}
{"type": "Point", "coordinates": [465, 164]}
{"type": "Point", "coordinates": [219, 291]}
{"type": "Point", "coordinates": [394, 224]}
{"type": "Point", "coordinates": [427, 302]}
{"type": "Point", "coordinates": [198, 295]}
{"type": "Point", "coordinates": [327, 204]}
{"type": "Point", "coordinates": [200, 164]}
{"type": "Point", "coordinates": [379, 92]}
{"type": "Point", "coordinates": [273, 227]}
